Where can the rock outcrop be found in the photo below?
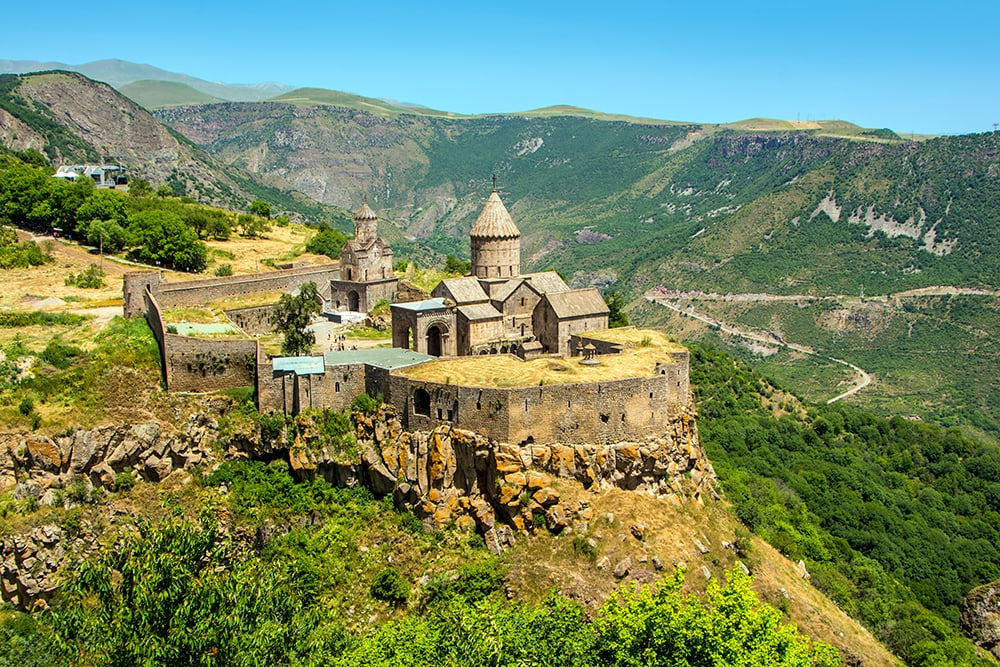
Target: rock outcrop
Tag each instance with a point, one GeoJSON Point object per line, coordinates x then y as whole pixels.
{"type": "Point", "coordinates": [981, 617]}
{"type": "Point", "coordinates": [451, 475]}
{"type": "Point", "coordinates": [40, 466]}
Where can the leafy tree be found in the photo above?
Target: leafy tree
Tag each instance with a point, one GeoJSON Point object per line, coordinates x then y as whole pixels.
{"type": "Point", "coordinates": [106, 234]}
{"type": "Point", "coordinates": [260, 208]}
{"type": "Point", "coordinates": [161, 237]}
{"type": "Point", "coordinates": [178, 594]}
{"type": "Point", "coordinates": [616, 304]}
{"type": "Point", "coordinates": [732, 628]}
{"type": "Point", "coordinates": [327, 242]}
{"type": "Point", "coordinates": [292, 315]}
{"type": "Point", "coordinates": [105, 205]}
{"type": "Point", "coordinates": [252, 226]}
{"type": "Point", "coordinates": [453, 264]}
{"type": "Point", "coordinates": [140, 187]}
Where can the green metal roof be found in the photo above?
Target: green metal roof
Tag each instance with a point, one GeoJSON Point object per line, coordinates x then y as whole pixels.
{"type": "Point", "coordinates": [300, 365]}
{"type": "Point", "coordinates": [388, 358]}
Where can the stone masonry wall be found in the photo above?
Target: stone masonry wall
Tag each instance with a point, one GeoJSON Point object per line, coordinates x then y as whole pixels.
{"type": "Point", "coordinates": [204, 364]}
{"type": "Point", "coordinates": [288, 393]}
{"type": "Point", "coordinates": [200, 292]}
{"type": "Point", "coordinates": [574, 413]}
{"type": "Point", "coordinates": [254, 320]}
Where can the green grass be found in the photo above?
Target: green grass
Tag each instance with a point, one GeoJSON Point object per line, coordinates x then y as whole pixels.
{"type": "Point", "coordinates": [161, 94]}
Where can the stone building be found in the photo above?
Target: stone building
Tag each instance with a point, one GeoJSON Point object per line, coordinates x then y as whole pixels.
{"type": "Point", "coordinates": [365, 267]}
{"type": "Point", "coordinates": [497, 309]}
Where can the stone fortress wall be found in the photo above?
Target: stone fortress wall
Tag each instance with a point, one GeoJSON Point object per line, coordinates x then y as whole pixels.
{"type": "Point", "coordinates": [574, 413]}
{"type": "Point", "coordinates": [200, 292]}
{"type": "Point", "coordinates": [203, 364]}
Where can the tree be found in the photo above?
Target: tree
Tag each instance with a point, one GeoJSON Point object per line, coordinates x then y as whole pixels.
{"type": "Point", "coordinates": [162, 237]}
{"type": "Point", "coordinates": [616, 318]}
{"type": "Point", "coordinates": [291, 317]}
{"type": "Point", "coordinates": [140, 187]}
{"type": "Point", "coordinates": [734, 628]}
{"type": "Point", "coordinates": [261, 208]}
{"type": "Point", "coordinates": [453, 264]}
{"type": "Point", "coordinates": [105, 205]}
{"type": "Point", "coordinates": [327, 242]}
{"type": "Point", "coordinates": [106, 234]}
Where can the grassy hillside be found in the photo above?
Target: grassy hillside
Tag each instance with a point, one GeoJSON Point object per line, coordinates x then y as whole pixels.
{"type": "Point", "coordinates": [156, 94]}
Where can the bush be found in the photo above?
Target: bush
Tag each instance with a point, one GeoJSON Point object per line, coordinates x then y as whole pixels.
{"type": "Point", "coordinates": [366, 404]}
{"type": "Point", "coordinates": [91, 278]}
{"type": "Point", "coordinates": [389, 586]}
{"type": "Point", "coordinates": [59, 354]}
{"type": "Point", "coordinates": [26, 406]}
{"type": "Point", "coordinates": [124, 481]}
{"type": "Point", "coordinates": [224, 270]}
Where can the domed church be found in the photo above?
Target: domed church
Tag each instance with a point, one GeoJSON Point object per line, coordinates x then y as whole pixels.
{"type": "Point", "coordinates": [497, 309]}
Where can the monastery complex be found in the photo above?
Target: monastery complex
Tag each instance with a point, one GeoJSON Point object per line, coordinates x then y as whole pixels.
{"type": "Point", "coordinates": [518, 357]}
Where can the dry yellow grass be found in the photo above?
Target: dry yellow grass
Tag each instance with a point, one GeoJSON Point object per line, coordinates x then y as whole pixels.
{"type": "Point", "coordinates": [643, 350]}
{"type": "Point", "coordinates": [281, 244]}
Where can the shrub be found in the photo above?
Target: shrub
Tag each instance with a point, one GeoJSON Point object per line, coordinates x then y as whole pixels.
{"type": "Point", "coordinates": [26, 406]}
{"type": "Point", "coordinates": [90, 278]}
{"type": "Point", "coordinates": [124, 481]}
{"type": "Point", "coordinates": [59, 354]}
{"type": "Point", "coordinates": [223, 270]}
{"type": "Point", "coordinates": [389, 586]}
{"type": "Point", "coordinates": [366, 404]}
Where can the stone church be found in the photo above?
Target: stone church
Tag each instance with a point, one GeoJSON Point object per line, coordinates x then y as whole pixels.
{"type": "Point", "coordinates": [365, 267]}
{"type": "Point", "coordinates": [497, 309]}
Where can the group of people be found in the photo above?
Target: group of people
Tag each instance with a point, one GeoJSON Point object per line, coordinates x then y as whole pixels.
{"type": "Point", "coordinates": [339, 343]}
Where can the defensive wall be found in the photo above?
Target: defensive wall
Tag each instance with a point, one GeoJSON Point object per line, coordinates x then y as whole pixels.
{"type": "Point", "coordinates": [645, 397]}
{"type": "Point", "coordinates": [200, 292]}
{"type": "Point", "coordinates": [576, 413]}
{"type": "Point", "coordinates": [205, 364]}
{"type": "Point", "coordinates": [252, 320]}
{"type": "Point", "coordinates": [288, 392]}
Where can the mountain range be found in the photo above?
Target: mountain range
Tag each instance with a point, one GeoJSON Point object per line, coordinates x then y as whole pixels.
{"type": "Point", "coordinates": [828, 211]}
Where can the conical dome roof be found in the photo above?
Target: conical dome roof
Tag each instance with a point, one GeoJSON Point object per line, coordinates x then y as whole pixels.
{"type": "Point", "coordinates": [365, 213]}
{"type": "Point", "coordinates": [495, 222]}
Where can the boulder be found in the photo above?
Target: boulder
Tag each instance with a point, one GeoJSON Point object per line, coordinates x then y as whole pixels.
{"type": "Point", "coordinates": [980, 618]}
{"type": "Point", "coordinates": [555, 519]}
{"type": "Point", "coordinates": [546, 496]}
{"type": "Point", "coordinates": [623, 567]}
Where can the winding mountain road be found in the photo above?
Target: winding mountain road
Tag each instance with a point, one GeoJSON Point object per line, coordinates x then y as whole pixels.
{"type": "Point", "coordinates": [770, 338]}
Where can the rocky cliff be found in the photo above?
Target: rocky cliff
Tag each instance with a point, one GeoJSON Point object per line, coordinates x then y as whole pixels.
{"type": "Point", "coordinates": [451, 475]}
{"type": "Point", "coordinates": [445, 476]}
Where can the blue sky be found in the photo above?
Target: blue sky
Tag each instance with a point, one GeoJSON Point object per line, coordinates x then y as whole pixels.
{"type": "Point", "coordinates": [914, 67]}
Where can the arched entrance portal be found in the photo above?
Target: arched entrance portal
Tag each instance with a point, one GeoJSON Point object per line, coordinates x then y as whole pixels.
{"type": "Point", "coordinates": [434, 341]}
{"type": "Point", "coordinates": [353, 301]}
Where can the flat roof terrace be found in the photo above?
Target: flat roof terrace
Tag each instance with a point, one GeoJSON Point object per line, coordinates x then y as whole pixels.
{"type": "Point", "coordinates": [642, 350]}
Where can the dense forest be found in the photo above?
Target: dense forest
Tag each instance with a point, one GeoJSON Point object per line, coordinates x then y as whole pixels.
{"type": "Point", "coordinates": [897, 519]}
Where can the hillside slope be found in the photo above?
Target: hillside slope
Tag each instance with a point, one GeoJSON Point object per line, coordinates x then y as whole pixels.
{"type": "Point", "coordinates": [71, 119]}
